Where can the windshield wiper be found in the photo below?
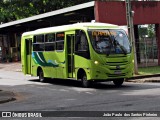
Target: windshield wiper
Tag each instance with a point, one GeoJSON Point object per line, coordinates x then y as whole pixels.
{"type": "Point", "coordinates": [116, 43]}
{"type": "Point", "coordinates": [121, 47]}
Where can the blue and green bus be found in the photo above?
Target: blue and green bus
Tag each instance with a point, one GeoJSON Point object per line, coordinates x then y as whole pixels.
{"type": "Point", "coordinates": [90, 52]}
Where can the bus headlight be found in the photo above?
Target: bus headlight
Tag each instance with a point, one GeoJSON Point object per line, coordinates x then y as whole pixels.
{"type": "Point", "coordinates": [96, 62]}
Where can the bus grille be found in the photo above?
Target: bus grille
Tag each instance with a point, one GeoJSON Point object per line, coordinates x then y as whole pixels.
{"type": "Point", "coordinates": [116, 75]}
{"type": "Point", "coordinates": [116, 63]}
{"type": "Point", "coordinates": [117, 68]}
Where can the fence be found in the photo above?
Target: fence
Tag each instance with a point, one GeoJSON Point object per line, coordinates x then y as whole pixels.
{"type": "Point", "coordinates": [147, 52]}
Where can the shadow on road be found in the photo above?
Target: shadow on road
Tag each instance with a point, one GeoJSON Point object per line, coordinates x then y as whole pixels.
{"type": "Point", "coordinates": [73, 83]}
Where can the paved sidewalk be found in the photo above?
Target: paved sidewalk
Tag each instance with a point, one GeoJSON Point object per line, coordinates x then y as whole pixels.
{"type": "Point", "coordinates": [13, 66]}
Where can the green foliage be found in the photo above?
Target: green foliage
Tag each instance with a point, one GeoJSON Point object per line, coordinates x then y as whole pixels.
{"type": "Point", "coordinates": [142, 31]}
{"type": "Point", "coordinates": [17, 9]}
{"type": "Point", "coordinates": [150, 31]}
{"type": "Point", "coordinates": [149, 70]}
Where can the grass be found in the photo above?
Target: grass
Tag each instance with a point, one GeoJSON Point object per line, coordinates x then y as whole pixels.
{"type": "Point", "coordinates": [149, 70]}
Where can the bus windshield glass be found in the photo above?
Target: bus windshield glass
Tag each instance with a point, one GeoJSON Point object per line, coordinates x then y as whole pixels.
{"type": "Point", "coordinates": [108, 42]}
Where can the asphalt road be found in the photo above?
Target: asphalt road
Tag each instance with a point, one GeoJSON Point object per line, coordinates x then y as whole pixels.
{"type": "Point", "coordinates": [67, 95]}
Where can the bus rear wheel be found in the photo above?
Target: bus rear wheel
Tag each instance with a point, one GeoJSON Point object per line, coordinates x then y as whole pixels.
{"type": "Point", "coordinates": [41, 76]}
{"type": "Point", "coordinates": [118, 82]}
{"type": "Point", "coordinates": [85, 83]}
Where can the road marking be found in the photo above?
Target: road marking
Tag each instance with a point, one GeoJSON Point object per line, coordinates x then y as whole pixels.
{"type": "Point", "coordinates": [89, 93]}
{"type": "Point", "coordinates": [83, 89]}
{"type": "Point", "coordinates": [70, 99]}
{"type": "Point", "coordinates": [64, 90]}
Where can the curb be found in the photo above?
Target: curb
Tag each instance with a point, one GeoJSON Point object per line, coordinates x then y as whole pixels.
{"type": "Point", "coordinates": [138, 77]}
{"type": "Point", "coordinates": [6, 96]}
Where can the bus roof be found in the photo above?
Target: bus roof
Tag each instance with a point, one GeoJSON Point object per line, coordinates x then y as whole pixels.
{"type": "Point", "coordinates": [86, 25]}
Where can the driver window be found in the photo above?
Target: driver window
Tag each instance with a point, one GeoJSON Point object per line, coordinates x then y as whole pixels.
{"type": "Point", "coordinates": [82, 43]}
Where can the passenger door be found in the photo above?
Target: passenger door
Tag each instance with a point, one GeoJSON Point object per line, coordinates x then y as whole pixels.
{"type": "Point", "coordinates": [28, 55]}
{"type": "Point", "coordinates": [70, 38]}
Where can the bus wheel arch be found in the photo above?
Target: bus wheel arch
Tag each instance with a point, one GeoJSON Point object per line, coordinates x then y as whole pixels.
{"type": "Point", "coordinates": [40, 73]}
{"type": "Point", "coordinates": [81, 74]}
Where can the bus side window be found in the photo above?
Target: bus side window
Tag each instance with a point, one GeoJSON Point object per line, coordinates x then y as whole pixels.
{"type": "Point", "coordinates": [60, 41]}
{"type": "Point", "coordinates": [38, 43]}
{"type": "Point", "coordinates": [39, 38]}
{"type": "Point", "coordinates": [81, 44]}
{"type": "Point", "coordinates": [50, 42]}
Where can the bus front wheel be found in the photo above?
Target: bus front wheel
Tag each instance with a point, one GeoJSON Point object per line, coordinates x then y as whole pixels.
{"type": "Point", "coordinates": [118, 82]}
{"type": "Point", "coordinates": [85, 83]}
{"type": "Point", "coordinates": [41, 76]}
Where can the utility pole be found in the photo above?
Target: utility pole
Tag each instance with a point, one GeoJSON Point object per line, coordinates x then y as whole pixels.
{"type": "Point", "coordinates": [129, 16]}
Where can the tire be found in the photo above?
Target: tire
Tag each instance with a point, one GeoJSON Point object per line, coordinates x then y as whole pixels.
{"type": "Point", "coordinates": [118, 82]}
{"type": "Point", "coordinates": [85, 83]}
{"type": "Point", "coordinates": [41, 76]}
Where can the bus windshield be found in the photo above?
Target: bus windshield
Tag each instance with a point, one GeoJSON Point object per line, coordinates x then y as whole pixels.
{"type": "Point", "coordinates": [113, 41]}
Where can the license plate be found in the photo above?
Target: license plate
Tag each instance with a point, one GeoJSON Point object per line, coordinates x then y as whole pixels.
{"type": "Point", "coordinates": [117, 72]}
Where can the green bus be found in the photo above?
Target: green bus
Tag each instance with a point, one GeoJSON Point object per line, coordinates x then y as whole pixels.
{"type": "Point", "coordinates": [82, 51]}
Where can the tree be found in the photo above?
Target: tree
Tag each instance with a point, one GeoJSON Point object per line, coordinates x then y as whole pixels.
{"type": "Point", "coordinates": [148, 30]}
{"type": "Point", "coordinates": [17, 9]}
{"type": "Point", "coordinates": [151, 30]}
{"type": "Point", "coordinates": [142, 31]}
